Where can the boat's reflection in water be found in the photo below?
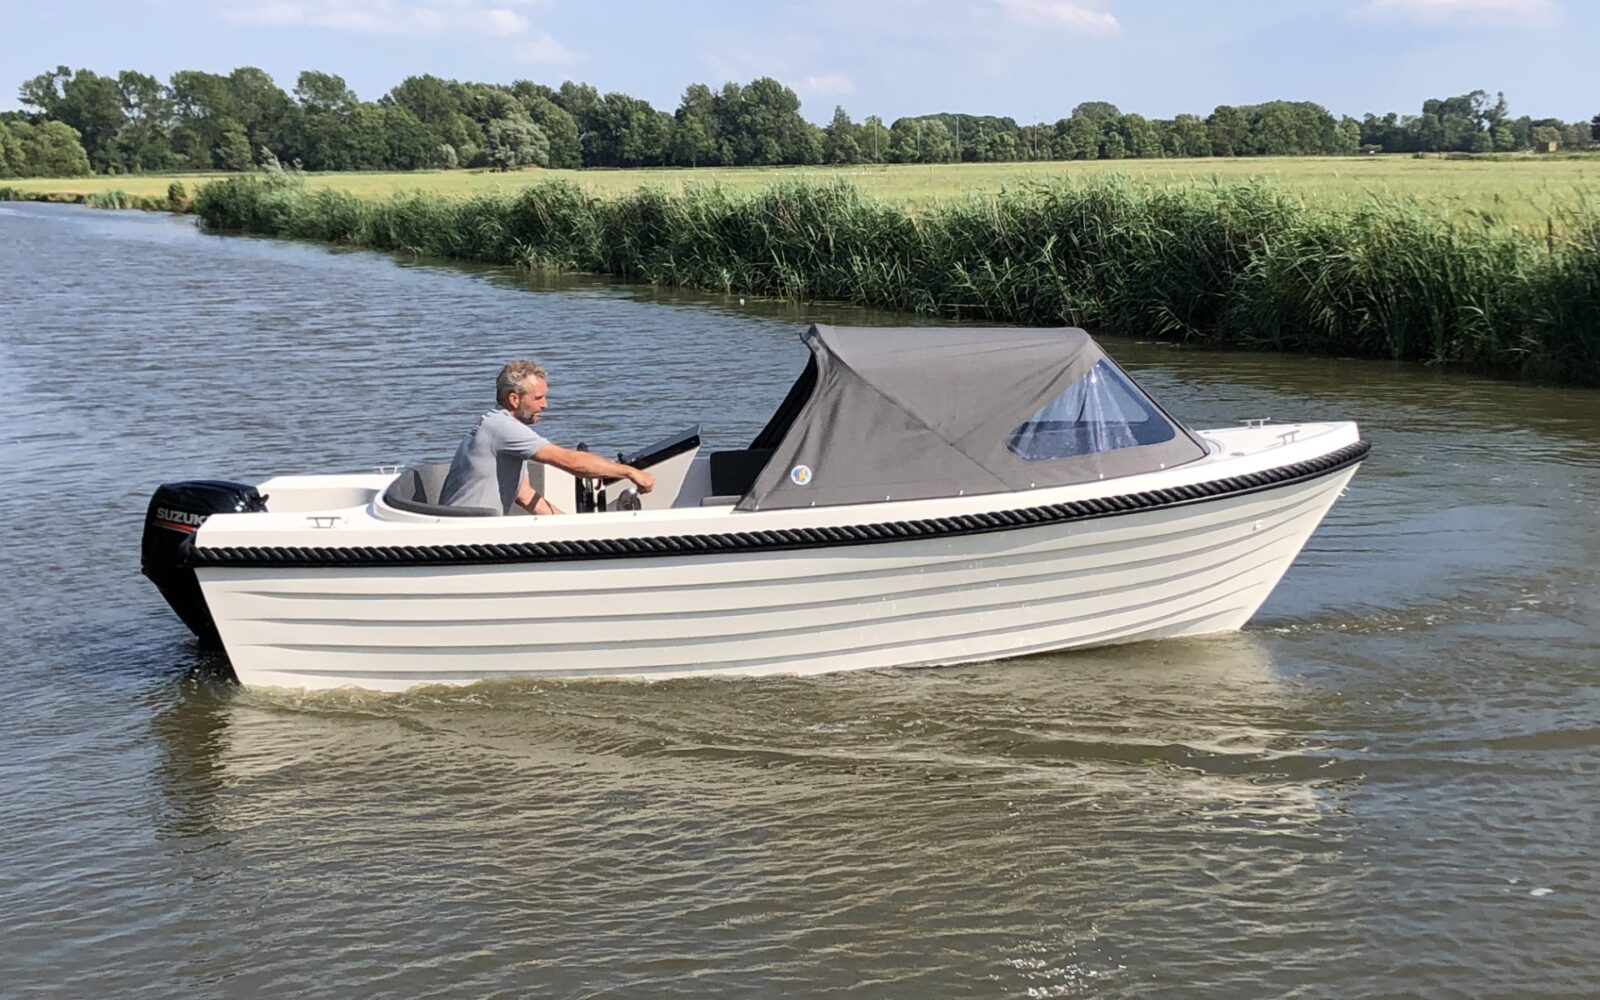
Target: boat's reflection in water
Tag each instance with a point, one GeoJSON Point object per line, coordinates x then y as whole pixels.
{"type": "Point", "coordinates": [1202, 723]}
{"type": "Point", "coordinates": [1026, 820]}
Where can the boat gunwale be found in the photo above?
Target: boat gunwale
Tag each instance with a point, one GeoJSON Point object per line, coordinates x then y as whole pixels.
{"type": "Point", "coordinates": [772, 539]}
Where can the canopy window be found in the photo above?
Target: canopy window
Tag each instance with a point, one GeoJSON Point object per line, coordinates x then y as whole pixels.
{"type": "Point", "coordinates": [911, 413]}
{"type": "Point", "coordinates": [1102, 411]}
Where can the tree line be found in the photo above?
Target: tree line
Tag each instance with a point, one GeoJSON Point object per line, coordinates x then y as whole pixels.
{"type": "Point", "coordinates": [79, 122]}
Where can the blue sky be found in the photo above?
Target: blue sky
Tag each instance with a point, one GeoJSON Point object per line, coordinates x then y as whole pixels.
{"type": "Point", "coordinates": [1030, 59]}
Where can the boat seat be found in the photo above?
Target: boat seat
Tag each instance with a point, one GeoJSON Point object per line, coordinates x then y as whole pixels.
{"type": "Point", "coordinates": [726, 500]}
{"type": "Point", "coordinates": [417, 489]}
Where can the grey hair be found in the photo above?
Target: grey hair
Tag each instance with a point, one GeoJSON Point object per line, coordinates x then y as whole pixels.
{"type": "Point", "coordinates": [513, 375]}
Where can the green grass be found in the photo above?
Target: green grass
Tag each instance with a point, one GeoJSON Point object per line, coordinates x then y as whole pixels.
{"type": "Point", "coordinates": [1247, 264]}
{"type": "Point", "coordinates": [1534, 194]}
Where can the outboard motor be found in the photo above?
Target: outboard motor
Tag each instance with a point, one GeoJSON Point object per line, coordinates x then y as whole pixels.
{"type": "Point", "coordinates": [176, 512]}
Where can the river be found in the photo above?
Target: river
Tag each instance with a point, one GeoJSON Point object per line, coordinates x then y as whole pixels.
{"type": "Point", "coordinates": [1387, 785]}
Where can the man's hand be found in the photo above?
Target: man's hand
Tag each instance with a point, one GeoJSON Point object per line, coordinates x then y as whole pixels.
{"type": "Point", "coordinates": [583, 463]}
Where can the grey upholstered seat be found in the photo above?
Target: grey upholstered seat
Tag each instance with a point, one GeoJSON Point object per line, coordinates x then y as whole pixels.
{"type": "Point", "coordinates": [417, 490]}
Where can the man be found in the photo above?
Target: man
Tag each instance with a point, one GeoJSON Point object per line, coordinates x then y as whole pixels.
{"type": "Point", "coordinates": [488, 469]}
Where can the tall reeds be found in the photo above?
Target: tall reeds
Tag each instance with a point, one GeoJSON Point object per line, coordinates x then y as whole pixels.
{"type": "Point", "coordinates": [1246, 264]}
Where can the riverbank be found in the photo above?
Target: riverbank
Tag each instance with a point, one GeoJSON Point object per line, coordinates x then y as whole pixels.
{"type": "Point", "coordinates": [1252, 264]}
{"type": "Point", "coordinates": [1243, 265]}
{"type": "Point", "coordinates": [176, 199]}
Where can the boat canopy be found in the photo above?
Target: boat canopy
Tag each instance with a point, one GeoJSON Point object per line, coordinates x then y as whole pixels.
{"type": "Point", "coordinates": [911, 413]}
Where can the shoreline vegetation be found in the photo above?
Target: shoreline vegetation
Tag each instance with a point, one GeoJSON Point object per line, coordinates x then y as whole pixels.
{"type": "Point", "coordinates": [1535, 194]}
{"type": "Point", "coordinates": [1242, 263]}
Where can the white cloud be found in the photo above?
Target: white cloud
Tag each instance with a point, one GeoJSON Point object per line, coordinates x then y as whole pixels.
{"type": "Point", "coordinates": [1061, 14]}
{"type": "Point", "coordinates": [1531, 13]}
{"type": "Point", "coordinates": [826, 85]}
{"type": "Point", "coordinates": [389, 17]}
{"type": "Point", "coordinates": [544, 49]}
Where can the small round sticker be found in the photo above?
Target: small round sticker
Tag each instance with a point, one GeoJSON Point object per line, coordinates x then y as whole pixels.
{"type": "Point", "coordinates": [800, 475]}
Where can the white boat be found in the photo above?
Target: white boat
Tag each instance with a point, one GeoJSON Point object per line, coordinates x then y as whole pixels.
{"type": "Point", "coordinates": [922, 496]}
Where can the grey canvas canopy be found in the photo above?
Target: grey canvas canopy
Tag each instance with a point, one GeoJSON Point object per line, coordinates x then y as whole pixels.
{"type": "Point", "coordinates": [919, 412]}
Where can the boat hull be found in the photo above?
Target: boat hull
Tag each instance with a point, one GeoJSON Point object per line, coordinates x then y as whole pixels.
{"type": "Point", "coordinates": [1182, 569]}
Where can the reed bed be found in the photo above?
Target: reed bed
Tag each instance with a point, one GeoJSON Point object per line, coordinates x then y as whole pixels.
{"type": "Point", "coordinates": [1224, 264]}
{"type": "Point", "coordinates": [1527, 193]}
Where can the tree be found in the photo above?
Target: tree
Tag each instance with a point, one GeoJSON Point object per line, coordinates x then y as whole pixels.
{"type": "Point", "coordinates": [994, 146]}
{"type": "Point", "coordinates": [54, 149]}
{"type": "Point", "coordinates": [560, 128]}
{"type": "Point", "coordinates": [233, 150]}
{"type": "Point", "coordinates": [762, 126]}
{"type": "Point", "coordinates": [807, 144]}
{"type": "Point", "coordinates": [1543, 135]}
{"type": "Point", "coordinates": [1061, 145]}
{"type": "Point", "coordinates": [12, 161]}
{"type": "Point", "coordinates": [770, 112]}
{"type": "Point", "coordinates": [1348, 137]}
{"type": "Point", "coordinates": [1141, 139]}
{"type": "Point", "coordinates": [323, 141]}
{"type": "Point", "coordinates": [1289, 128]}
{"type": "Point", "coordinates": [937, 142]}
{"type": "Point", "coordinates": [694, 132]}
{"type": "Point", "coordinates": [1033, 142]}
{"type": "Point", "coordinates": [91, 104]}
{"type": "Point", "coordinates": [839, 144]}
{"type": "Point", "coordinates": [44, 91]}
{"type": "Point", "coordinates": [905, 141]}
{"type": "Point", "coordinates": [261, 107]}
{"type": "Point", "coordinates": [580, 101]}
{"type": "Point", "coordinates": [429, 99]}
{"type": "Point", "coordinates": [144, 143]}
{"type": "Point", "coordinates": [407, 144]}
{"type": "Point", "coordinates": [324, 93]}
{"type": "Point", "coordinates": [515, 141]}
{"type": "Point", "coordinates": [1228, 128]}
{"type": "Point", "coordinates": [1097, 111]}
{"type": "Point", "coordinates": [203, 109]}
{"type": "Point", "coordinates": [627, 132]}
{"type": "Point", "coordinates": [1086, 137]}
{"type": "Point", "coordinates": [1522, 132]}
{"type": "Point", "coordinates": [1188, 136]}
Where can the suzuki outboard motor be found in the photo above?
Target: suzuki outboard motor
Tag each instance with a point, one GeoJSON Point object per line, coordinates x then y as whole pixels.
{"type": "Point", "coordinates": [176, 513]}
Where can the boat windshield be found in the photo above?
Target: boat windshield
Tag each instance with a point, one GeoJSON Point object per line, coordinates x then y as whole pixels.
{"type": "Point", "coordinates": [1102, 411]}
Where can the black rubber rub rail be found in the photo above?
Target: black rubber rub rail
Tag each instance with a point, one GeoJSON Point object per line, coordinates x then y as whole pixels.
{"type": "Point", "coordinates": [776, 540]}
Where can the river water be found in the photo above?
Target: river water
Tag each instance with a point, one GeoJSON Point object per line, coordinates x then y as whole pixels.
{"type": "Point", "coordinates": [1388, 785]}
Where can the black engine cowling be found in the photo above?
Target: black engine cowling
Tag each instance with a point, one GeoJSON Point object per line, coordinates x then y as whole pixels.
{"type": "Point", "coordinates": [176, 512]}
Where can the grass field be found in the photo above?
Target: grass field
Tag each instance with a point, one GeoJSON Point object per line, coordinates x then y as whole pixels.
{"type": "Point", "coordinates": [1527, 193]}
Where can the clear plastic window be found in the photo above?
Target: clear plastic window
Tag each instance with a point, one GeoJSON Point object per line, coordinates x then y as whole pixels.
{"type": "Point", "coordinates": [1102, 411]}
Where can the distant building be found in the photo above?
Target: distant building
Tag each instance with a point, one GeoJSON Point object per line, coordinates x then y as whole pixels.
{"type": "Point", "coordinates": [1546, 147]}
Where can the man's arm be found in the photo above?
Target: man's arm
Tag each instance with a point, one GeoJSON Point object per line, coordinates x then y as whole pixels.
{"type": "Point", "coordinates": [584, 463]}
{"type": "Point", "coordinates": [534, 502]}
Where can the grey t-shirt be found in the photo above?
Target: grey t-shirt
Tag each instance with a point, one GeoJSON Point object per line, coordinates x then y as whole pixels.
{"type": "Point", "coordinates": [487, 468]}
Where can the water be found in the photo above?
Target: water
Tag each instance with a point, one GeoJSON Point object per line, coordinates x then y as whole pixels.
{"type": "Point", "coordinates": [1389, 785]}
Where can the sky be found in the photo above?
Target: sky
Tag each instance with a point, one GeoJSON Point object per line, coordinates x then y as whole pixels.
{"type": "Point", "coordinates": [1032, 60]}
